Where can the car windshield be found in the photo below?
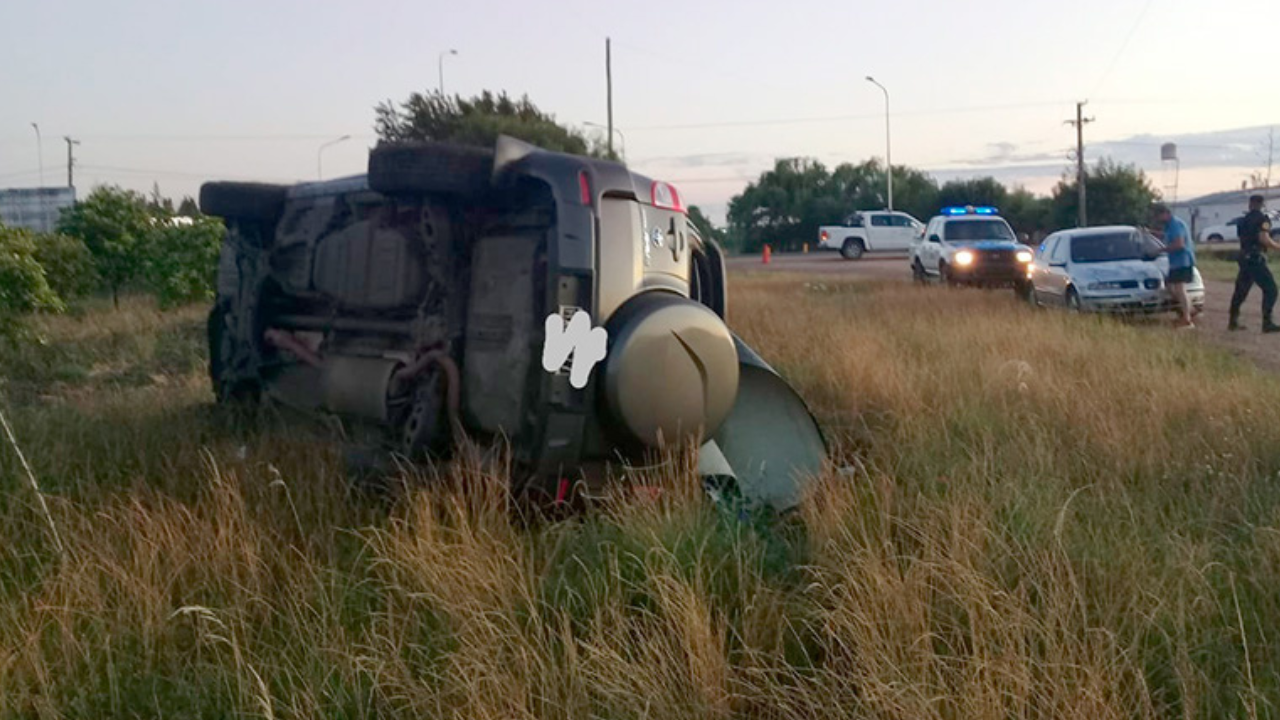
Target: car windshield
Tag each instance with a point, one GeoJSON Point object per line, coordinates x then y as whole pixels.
{"type": "Point", "coordinates": [966, 230]}
{"type": "Point", "coordinates": [1106, 247]}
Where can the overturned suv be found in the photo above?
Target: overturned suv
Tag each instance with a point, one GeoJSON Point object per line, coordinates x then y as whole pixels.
{"type": "Point", "coordinates": [436, 296]}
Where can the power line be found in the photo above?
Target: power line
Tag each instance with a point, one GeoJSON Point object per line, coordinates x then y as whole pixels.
{"type": "Point", "coordinates": [1123, 46]}
{"type": "Point", "coordinates": [844, 118]}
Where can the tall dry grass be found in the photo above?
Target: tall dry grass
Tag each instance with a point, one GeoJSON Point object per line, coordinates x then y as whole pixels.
{"type": "Point", "coordinates": [1039, 516]}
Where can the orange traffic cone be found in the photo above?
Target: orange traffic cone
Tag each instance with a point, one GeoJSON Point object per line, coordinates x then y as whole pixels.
{"type": "Point", "coordinates": [768, 255]}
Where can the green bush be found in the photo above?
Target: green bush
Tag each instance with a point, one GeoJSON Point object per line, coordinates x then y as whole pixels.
{"type": "Point", "coordinates": [23, 287]}
{"type": "Point", "coordinates": [68, 265]}
{"type": "Point", "coordinates": [180, 262]}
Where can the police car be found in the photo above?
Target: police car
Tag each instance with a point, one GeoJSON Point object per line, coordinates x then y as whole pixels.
{"type": "Point", "coordinates": [970, 246]}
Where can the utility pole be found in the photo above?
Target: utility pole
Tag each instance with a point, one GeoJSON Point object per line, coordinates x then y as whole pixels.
{"type": "Point", "coordinates": [608, 81]}
{"type": "Point", "coordinates": [1082, 219]}
{"type": "Point", "coordinates": [1271, 148]}
{"type": "Point", "coordinates": [71, 161]}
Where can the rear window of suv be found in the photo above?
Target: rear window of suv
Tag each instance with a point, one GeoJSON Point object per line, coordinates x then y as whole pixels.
{"type": "Point", "coordinates": [964, 230]}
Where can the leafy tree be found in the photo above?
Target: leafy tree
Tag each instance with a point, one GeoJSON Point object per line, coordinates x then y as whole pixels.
{"type": "Point", "coordinates": [158, 205]}
{"type": "Point", "coordinates": [180, 260]}
{"type": "Point", "coordinates": [1029, 214]}
{"type": "Point", "coordinates": [1118, 194]}
{"type": "Point", "coordinates": [477, 121]}
{"type": "Point", "coordinates": [112, 223]}
{"type": "Point", "coordinates": [23, 288]}
{"type": "Point", "coordinates": [972, 191]}
{"type": "Point", "coordinates": [68, 265]}
{"type": "Point", "coordinates": [703, 225]}
{"type": "Point", "coordinates": [188, 207]}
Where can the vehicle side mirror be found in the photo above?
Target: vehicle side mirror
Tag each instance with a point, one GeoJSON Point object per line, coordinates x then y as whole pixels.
{"type": "Point", "coordinates": [935, 238]}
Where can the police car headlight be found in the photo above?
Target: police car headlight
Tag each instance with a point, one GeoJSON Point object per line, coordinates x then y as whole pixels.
{"type": "Point", "coordinates": [964, 257]}
{"type": "Point", "coordinates": [1024, 256]}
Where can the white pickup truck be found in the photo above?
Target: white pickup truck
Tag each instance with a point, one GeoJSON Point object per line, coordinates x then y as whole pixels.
{"type": "Point", "coordinates": [870, 231]}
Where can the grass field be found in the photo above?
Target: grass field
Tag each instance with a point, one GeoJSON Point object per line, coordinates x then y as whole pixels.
{"type": "Point", "coordinates": [1039, 515]}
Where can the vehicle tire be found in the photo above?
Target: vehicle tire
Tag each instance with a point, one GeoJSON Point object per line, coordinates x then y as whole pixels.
{"type": "Point", "coordinates": [917, 272]}
{"type": "Point", "coordinates": [1215, 238]}
{"type": "Point", "coordinates": [944, 275]}
{"type": "Point", "coordinates": [425, 429]}
{"type": "Point", "coordinates": [1073, 300]}
{"type": "Point", "coordinates": [258, 202]}
{"type": "Point", "coordinates": [852, 249]}
{"type": "Point", "coordinates": [1026, 292]}
{"type": "Point", "coordinates": [221, 350]}
{"type": "Point", "coordinates": [429, 167]}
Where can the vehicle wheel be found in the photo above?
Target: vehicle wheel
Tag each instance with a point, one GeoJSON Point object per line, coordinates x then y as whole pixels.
{"type": "Point", "coordinates": [429, 167]}
{"type": "Point", "coordinates": [1027, 293]}
{"type": "Point", "coordinates": [852, 249]}
{"type": "Point", "coordinates": [250, 201]}
{"type": "Point", "coordinates": [944, 275]}
{"type": "Point", "coordinates": [221, 352]}
{"type": "Point", "coordinates": [425, 430]}
{"type": "Point", "coordinates": [917, 272]}
{"type": "Point", "coordinates": [1215, 238]}
{"type": "Point", "coordinates": [1073, 300]}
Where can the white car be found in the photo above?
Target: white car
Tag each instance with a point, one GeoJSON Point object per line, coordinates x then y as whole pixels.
{"type": "Point", "coordinates": [869, 232]}
{"type": "Point", "coordinates": [1229, 232]}
{"type": "Point", "coordinates": [1116, 269]}
{"type": "Point", "coordinates": [970, 246]}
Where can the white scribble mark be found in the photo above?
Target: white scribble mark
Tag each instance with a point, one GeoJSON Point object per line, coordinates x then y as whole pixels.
{"type": "Point", "coordinates": [586, 344]}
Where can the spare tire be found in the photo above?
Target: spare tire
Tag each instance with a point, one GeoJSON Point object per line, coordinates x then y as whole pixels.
{"type": "Point", "coordinates": [242, 200]}
{"type": "Point", "coordinates": [429, 167]}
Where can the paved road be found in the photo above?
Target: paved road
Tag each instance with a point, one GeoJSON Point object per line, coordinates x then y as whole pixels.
{"type": "Point", "coordinates": [1262, 349]}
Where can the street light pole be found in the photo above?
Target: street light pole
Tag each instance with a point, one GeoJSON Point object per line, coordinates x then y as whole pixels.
{"type": "Point", "coordinates": [440, 67]}
{"type": "Point", "coordinates": [39, 152]}
{"type": "Point", "coordinates": [320, 150]}
{"type": "Point", "coordinates": [888, 146]}
{"type": "Point", "coordinates": [621, 137]}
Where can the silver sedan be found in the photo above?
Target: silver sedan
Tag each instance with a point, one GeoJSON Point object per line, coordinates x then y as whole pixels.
{"type": "Point", "coordinates": [1116, 269]}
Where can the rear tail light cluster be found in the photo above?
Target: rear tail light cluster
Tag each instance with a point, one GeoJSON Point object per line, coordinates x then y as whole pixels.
{"type": "Point", "coordinates": [823, 235]}
{"type": "Point", "coordinates": [664, 195]}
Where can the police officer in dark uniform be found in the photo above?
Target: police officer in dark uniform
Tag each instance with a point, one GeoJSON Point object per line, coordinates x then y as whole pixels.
{"type": "Point", "coordinates": [1254, 231]}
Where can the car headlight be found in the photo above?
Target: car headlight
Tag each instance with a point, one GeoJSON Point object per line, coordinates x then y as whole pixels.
{"type": "Point", "coordinates": [964, 257]}
{"type": "Point", "coordinates": [1108, 285]}
{"type": "Point", "coordinates": [1024, 256]}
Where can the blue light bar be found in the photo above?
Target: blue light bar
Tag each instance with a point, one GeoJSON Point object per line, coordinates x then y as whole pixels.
{"type": "Point", "coordinates": [970, 210]}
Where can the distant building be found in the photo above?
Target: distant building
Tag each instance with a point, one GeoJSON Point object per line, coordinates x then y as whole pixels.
{"type": "Point", "coordinates": [1220, 208]}
{"type": "Point", "coordinates": [35, 208]}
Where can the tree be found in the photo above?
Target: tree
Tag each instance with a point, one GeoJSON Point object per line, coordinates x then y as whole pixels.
{"type": "Point", "coordinates": [1118, 194]}
{"type": "Point", "coordinates": [703, 225]}
{"type": "Point", "coordinates": [68, 265]}
{"type": "Point", "coordinates": [478, 121]}
{"type": "Point", "coordinates": [112, 223]}
{"type": "Point", "coordinates": [188, 207]}
{"type": "Point", "coordinates": [1029, 214]}
{"type": "Point", "coordinates": [180, 260]}
{"type": "Point", "coordinates": [23, 288]}
{"type": "Point", "coordinates": [972, 191]}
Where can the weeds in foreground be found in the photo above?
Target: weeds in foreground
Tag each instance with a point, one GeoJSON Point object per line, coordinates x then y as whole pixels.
{"type": "Point", "coordinates": [1050, 517]}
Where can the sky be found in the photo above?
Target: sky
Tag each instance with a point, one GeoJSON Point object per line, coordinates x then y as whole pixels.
{"type": "Point", "coordinates": [706, 94]}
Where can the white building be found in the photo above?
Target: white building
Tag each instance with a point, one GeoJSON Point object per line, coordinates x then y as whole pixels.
{"type": "Point", "coordinates": [1220, 208]}
{"type": "Point", "coordinates": [35, 208]}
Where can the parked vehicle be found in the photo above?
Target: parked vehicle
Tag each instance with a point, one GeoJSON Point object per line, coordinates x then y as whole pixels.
{"type": "Point", "coordinates": [455, 290]}
{"type": "Point", "coordinates": [970, 246]}
{"type": "Point", "coordinates": [1116, 269]}
{"type": "Point", "coordinates": [870, 232]}
{"type": "Point", "coordinates": [1229, 231]}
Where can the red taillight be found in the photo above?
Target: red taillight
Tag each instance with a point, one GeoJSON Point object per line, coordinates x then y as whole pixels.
{"type": "Point", "coordinates": [824, 235]}
{"type": "Point", "coordinates": [664, 195]}
{"type": "Point", "coordinates": [584, 187]}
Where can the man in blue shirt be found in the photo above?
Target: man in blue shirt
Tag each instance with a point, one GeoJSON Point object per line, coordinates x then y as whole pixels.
{"type": "Point", "coordinates": [1182, 259]}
